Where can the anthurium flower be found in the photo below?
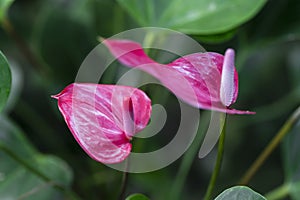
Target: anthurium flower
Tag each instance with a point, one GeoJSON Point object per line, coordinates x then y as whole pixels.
{"type": "Point", "coordinates": [104, 118]}
{"type": "Point", "coordinates": [205, 80]}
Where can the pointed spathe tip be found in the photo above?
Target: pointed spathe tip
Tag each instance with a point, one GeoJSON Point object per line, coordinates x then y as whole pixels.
{"type": "Point", "coordinates": [56, 96]}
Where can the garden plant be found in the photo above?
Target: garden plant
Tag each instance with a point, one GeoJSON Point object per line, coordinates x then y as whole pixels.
{"type": "Point", "coordinates": [149, 99]}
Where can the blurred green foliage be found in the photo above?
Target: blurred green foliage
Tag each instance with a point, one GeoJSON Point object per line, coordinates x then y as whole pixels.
{"type": "Point", "coordinates": [25, 173]}
{"type": "Point", "coordinates": [4, 6]}
{"type": "Point", "coordinates": [291, 162]}
{"type": "Point", "coordinates": [5, 84]}
{"type": "Point", "coordinates": [61, 33]}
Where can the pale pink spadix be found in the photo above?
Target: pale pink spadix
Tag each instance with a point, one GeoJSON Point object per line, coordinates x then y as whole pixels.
{"type": "Point", "coordinates": [198, 79]}
{"type": "Point", "coordinates": [104, 118]}
{"type": "Point", "coordinates": [227, 79]}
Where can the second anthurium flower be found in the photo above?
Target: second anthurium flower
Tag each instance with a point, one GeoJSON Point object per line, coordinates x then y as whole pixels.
{"type": "Point", "coordinates": [104, 118]}
{"type": "Point", "coordinates": [205, 80]}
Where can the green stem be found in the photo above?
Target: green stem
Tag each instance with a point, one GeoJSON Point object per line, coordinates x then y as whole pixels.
{"type": "Point", "coordinates": [42, 176]}
{"type": "Point", "coordinates": [218, 163]}
{"type": "Point", "coordinates": [123, 186]}
{"type": "Point", "coordinates": [279, 193]}
{"type": "Point", "coordinates": [148, 41]}
{"type": "Point", "coordinates": [271, 146]}
{"type": "Point", "coordinates": [188, 158]}
{"type": "Point", "coordinates": [124, 181]}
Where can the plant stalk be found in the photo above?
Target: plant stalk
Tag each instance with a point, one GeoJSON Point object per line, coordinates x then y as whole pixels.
{"type": "Point", "coordinates": [271, 146]}
{"type": "Point", "coordinates": [124, 182]}
{"type": "Point", "coordinates": [123, 186]}
{"type": "Point", "coordinates": [278, 193]}
{"type": "Point", "coordinates": [188, 158]}
{"type": "Point", "coordinates": [218, 163]}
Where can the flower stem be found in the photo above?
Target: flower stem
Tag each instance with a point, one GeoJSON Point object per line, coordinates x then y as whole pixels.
{"type": "Point", "coordinates": [271, 146]}
{"type": "Point", "coordinates": [279, 193]}
{"type": "Point", "coordinates": [124, 181]}
{"type": "Point", "coordinates": [218, 163]}
{"type": "Point", "coordinates": [188, 158]}
{"type": "Point", "coordinates": [123, 185]}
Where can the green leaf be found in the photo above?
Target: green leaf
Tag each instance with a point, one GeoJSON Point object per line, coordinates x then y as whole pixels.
{"type": "Point", "coordinates": [20, 182]}
{"type": "Point", "coordinates": [5, 81]}
{"type": "Point", "coordinates": [58, 49]}
{"type": "Point", "coordinates": [240, 193]}
{"type": "Point", "coordinates": [13, 139]}
{"type": "Point", "coordinates": [4, 5]}
{"type": "Point", "coordinates": [195, 17]}
{"type": "Point", "coordinates": [23, 169]}
{"type": "Point", "coordinates": [216, 38]}
{"type": "Point", "coordinates": [137, 197]}
{"type": "Point", "coordinates": [291, 161]}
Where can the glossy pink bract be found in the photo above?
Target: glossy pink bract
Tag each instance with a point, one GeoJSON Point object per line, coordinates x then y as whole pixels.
{"type": "Point", "coordinates": [104, 118]}
{"type": "Point", "coordinates": [194, 78]}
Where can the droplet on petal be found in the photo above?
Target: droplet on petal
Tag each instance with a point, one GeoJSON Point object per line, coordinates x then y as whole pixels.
{"type": "Point", "coordinates": [227, 88]}
{"type": "Point", "coordinates": [104, 118]}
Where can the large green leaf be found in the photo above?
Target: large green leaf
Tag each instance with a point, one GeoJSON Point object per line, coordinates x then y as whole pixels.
{"type": "Point", "coordinates": [25, 173]}
{"type": "Point", "coordinates": [239, 193]}
{"type": "Point", "coordinates": [194, 16]}
{"type": "Point", "coordinates": [291, 161]}
{"type": "Point", "coordinates": [4, 5]}
{"type": "Point", "coordinates": [5, 81]}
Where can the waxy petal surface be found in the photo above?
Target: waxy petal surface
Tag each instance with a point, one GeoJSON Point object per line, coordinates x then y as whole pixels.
{"type": "Point", "coordinates": [194, 78]}
{"type": "Point", "coordinates": [103, 118]}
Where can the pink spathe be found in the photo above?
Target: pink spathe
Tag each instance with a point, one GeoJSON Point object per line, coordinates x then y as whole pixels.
{"type": "Point", "coordinates": [104, 118]}
{"type": "Point", "coordinates": [204, 80]}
